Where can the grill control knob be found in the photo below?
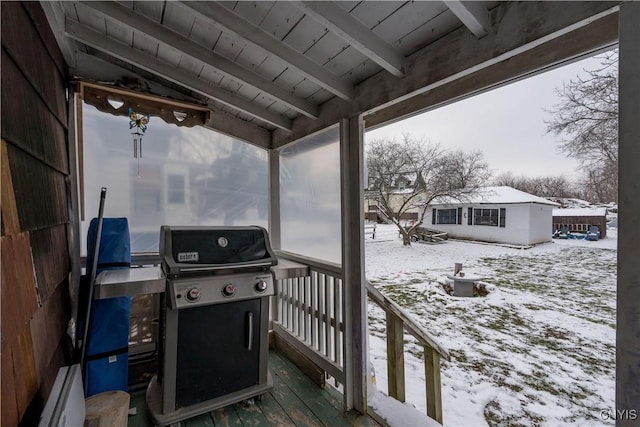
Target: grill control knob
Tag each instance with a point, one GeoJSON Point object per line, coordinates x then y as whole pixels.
{"type": "Point", "coordinates": [229, 290]}
{"type": "Point", "coordinates": [261, 286]}
{"type": "Point", "coordinates": [193, 294]}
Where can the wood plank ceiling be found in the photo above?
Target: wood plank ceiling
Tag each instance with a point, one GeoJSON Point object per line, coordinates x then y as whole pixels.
{"type": "Point", "coordinates": [262, 63]}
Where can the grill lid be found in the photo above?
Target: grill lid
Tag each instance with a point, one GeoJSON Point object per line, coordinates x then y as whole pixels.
{"type": "Point", "coordinates": [211, 248]}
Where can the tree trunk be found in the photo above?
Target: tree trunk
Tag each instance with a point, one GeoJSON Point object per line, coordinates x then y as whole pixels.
{"type": "Point", "coordinates": [406, 238]}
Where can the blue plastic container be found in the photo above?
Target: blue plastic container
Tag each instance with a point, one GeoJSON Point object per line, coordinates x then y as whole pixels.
{"type": "Point", "coordinates": [107, 358]}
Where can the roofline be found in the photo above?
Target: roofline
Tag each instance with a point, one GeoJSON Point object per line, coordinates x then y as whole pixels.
{"type": "Point", "coordinates": [495, 203]}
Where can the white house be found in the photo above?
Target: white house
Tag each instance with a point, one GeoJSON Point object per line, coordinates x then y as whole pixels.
{"type": "Point", "coordinates": [494, 214]}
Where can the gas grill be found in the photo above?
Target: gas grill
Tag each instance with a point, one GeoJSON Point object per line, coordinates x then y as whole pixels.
{"type": "Point", "coordinates": [215, 317]}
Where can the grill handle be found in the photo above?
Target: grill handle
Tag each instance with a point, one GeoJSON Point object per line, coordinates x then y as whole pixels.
{"type": "Point", "coordinates": [250, 332]}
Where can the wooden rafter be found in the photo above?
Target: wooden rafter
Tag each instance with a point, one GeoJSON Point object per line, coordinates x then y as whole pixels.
{"type": "Point", "coordinates": [355, 33]}
{"type": "Point", "coordinates": [138, 22]}
{"type": "Point", "coordinates": [151, 64]}
{"type": "Point", "coordinates": [224, 17]}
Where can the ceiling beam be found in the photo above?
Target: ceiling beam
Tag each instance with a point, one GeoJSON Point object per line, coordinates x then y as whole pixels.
{"type": "Point", "coordinates": [226, 18]}
{"type": "Point", "coordinates": [151, 64]}
{"type": "Point", "coordinates": [354, 32]}
{"type": "Point", "coordinates": [523, 27]}
{"type": "Point", "coordinates": [548, 56]}
{"type": "Point", "coordinates": [473, 15]}
{"type": "Point", "coordinates": [138, 22]}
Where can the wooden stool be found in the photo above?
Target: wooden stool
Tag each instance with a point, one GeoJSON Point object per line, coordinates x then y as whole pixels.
{"type": "Point", "coordinates": [107, 409]}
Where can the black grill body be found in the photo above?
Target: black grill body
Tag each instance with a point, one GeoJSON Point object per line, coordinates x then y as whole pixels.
{"type": "Point", "coordinates": [215, 320]}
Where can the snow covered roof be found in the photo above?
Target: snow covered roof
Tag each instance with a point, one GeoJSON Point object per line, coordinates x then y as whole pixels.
{"type": "Point", "coordinates": [580, 212]}
{"type": "Point", "coordinates": [496, 195]}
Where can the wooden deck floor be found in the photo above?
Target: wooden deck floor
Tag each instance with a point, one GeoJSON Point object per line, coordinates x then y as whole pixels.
{"type": "Point", "coordinates": [294, 401]}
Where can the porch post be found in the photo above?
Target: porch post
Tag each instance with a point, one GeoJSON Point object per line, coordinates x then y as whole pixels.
{"type": "Point", "coordinates": [274, 199]}
{"type": "Point", "coordinates": [628, 312]}
{"type": "Point", "coordinates": [352, 186]}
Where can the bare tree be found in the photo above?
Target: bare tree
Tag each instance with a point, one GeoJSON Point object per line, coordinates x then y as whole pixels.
{"type": "Point", "coordinates": [407, 174]}
{"type": "Point", "coordinates": [545, 186]}
{"type": "Point", "coordinates": [587, 116]}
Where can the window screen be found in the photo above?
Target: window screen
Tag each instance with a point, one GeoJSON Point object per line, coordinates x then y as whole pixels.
{"type": "Point", "coordinates": [447, 216]}
{"type": "Point", "coordinates": [485, 217]}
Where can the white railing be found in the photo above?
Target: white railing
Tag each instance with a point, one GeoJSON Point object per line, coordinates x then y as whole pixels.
{"type": "Point", "coordinates": [309, 314]}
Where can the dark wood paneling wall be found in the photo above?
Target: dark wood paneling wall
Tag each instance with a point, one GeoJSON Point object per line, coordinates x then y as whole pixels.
{"type": "Point", "coordinates": [35, 216]}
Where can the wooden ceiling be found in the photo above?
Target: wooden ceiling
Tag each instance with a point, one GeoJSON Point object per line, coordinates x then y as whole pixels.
{"type": "Point", "coordinates": [288, 68]}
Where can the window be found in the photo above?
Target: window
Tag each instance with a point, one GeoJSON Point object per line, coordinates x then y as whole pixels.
{"type": "Point", "coordinates": [175, 189]}
{"type": "Point", "coordinates": [447, 216]}
{"type": "Point", "coordinates": [485, 217]}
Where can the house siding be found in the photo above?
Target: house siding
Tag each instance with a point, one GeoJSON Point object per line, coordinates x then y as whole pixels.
{"type": "Point", "coordinates": [35, 215]}
{"type": "Point", "coordinates": [540, 229]}
{"type": "Point", "coordinates": [526, 223]}
{"type": "Point", "coordinates": [581, 224]}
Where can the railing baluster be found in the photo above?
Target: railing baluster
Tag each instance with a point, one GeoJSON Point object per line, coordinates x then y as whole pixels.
{"type": "Point", "coordinates": [329, 316]}
{"type": "Point", "coordinates": [300, 286]}
{"type": "Point", "coordinates": [303, 324]}
{"type": "Point", "coordinates": [433, 385]}
{"type": "Point", "coordinates": [395, 357]}
{"type": "Point", "coordinates": [280, 299]}
{"type": "Point", "coordinates": [295, 326]}
{"type": "Point", "coordinates": [289, 303]}
{"type": "Point", "coordinates": [321, 314]}
{"type": "Point", "coordinates": [336, 315]}
{"type": "Point", "coordinates": [314, 307]}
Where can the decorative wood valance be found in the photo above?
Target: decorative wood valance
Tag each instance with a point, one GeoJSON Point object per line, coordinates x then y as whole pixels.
{"type": "Point", "coordinates": [117, 101]}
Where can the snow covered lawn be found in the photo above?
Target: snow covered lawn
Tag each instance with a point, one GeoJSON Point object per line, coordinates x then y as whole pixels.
{"type": "Point", "coordinates": [539, 350]}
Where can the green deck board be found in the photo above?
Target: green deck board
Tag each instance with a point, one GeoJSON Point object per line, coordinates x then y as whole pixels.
{"type": "Point", "coordinates": [294, 401]}
{"type": "Point", "coordinates": [203, 420]}
{"type": "Point", "coordinates": [251, 415]}
{"type": "Point", "coordinates": [274, 412]}
{"type": "Point", "coordinates": [326, 402]}
{"type": "Point", "coordinates": [354, 418]}
{"type": "Point", "coordinates": [310, 393]}
{"type": "Point", "coordinates": [226, 417]}
{"type": "Point", "coordinates": [300, 414]}
{"type": "Point", "coordinates": [138, 401]}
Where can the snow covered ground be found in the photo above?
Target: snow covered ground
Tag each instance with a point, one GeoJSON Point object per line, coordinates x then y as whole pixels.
{"type": "Point", "coordinates": [539, 350]}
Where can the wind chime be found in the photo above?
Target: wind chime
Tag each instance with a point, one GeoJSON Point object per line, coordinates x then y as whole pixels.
{"type": "Point", "coordinates": [138, 122]}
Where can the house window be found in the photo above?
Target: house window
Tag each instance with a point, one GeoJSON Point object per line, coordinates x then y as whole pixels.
{"type": "Point", "coordinates": [485, 217]}
{"type": "Point", "coordinates": [447, 216]}
{"type": "Point", "coordinates": [175, 189]}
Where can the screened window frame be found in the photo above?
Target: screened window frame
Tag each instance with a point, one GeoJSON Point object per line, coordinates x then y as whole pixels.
{"type": "Point", "coordinates": [175, 195]}
{"type": "Point", "coordinates": [496, 217]}
{"type": "Point", "coordinates": [453, 219]}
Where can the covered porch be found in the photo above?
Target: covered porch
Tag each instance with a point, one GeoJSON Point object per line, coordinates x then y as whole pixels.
{"type": "Point", "coordinates": [295, 400]}
{"type": "Point", "coordinates": [289, 78]}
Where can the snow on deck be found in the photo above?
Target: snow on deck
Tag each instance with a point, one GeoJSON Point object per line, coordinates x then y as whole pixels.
{"type": "Point", "coordinates": [538, 350]}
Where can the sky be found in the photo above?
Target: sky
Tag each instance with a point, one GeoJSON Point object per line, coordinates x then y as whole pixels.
{"type": "Point", "coordinates": [506, 124]}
